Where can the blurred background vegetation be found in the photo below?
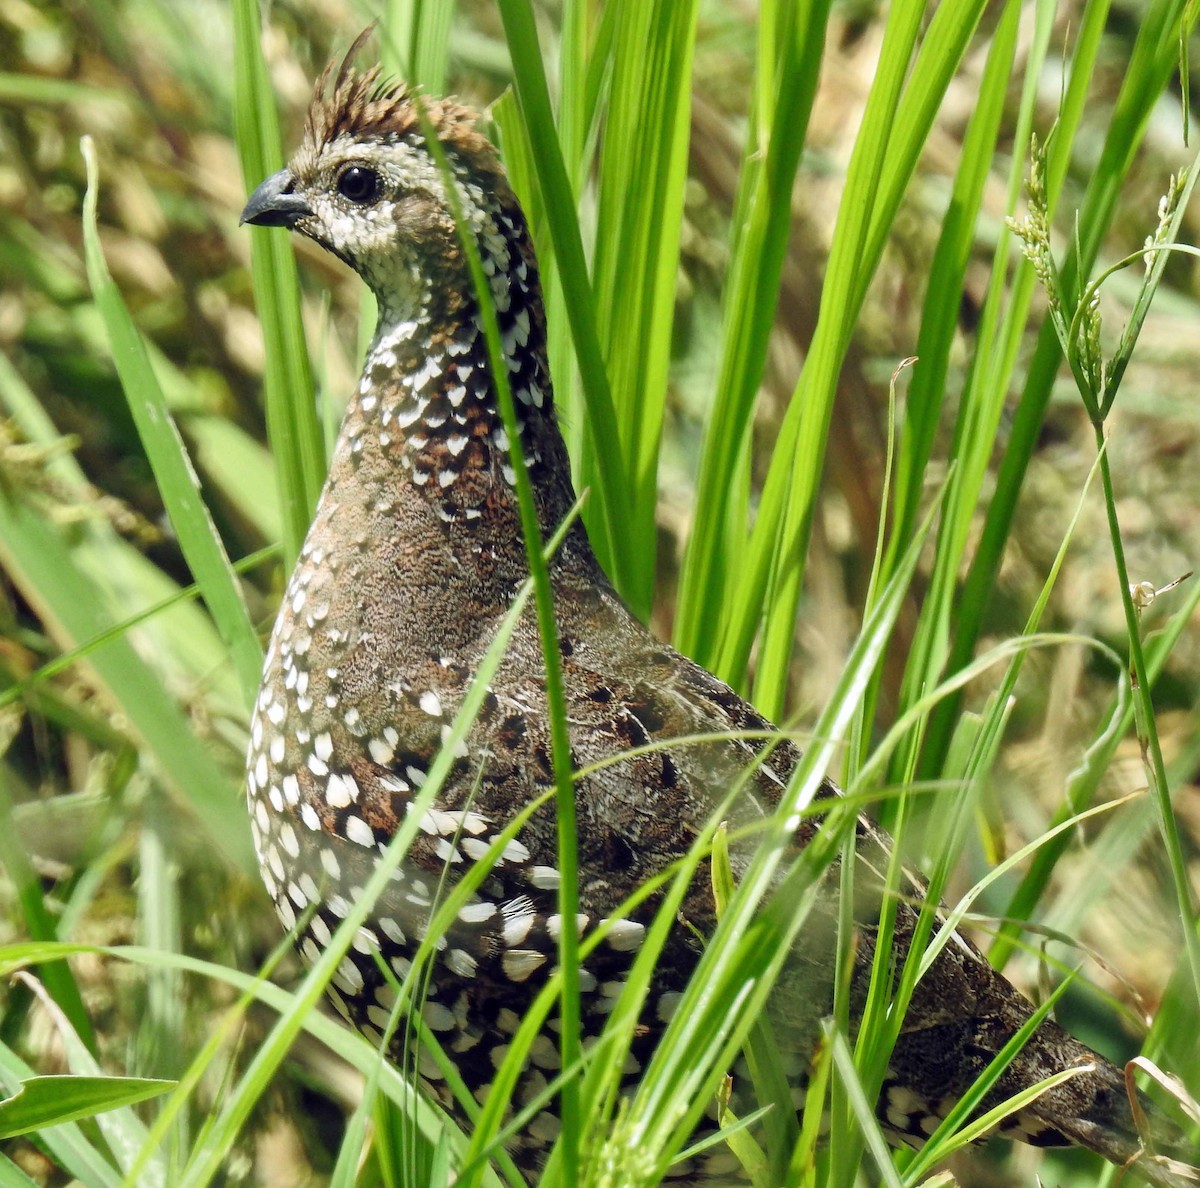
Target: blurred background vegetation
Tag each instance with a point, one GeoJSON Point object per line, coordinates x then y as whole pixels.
{"type": "Point", "coordinates": [120, 812]}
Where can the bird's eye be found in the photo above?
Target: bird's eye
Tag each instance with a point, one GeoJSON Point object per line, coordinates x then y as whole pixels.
{"type": "Point", "coordinates": [359, 184]}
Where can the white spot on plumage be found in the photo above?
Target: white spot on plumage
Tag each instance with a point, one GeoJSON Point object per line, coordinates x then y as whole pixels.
{"type": "Point", "coordinates": [518, 964]}
{"type": "Point", "coordinates": [437, 1017]}
{"type": "Point", "coordinates": [349, 977]}
{"type": "Point", "coordinates": [668, 1004]}
{"type": "Point", "coordinates": [477, 913]}
{"type": "Point", "coordinates": [337, 791]}
{"type": "Point", "coordinates": [392, 930]}
{"type": "Point", "coordinates": [544, 878]}
{"type": "Point", "coordinates": [554, 925]}
{"type": "Point", "coordinates": [474, 848]}
{"type": "Point", "coordinates": [330, 863]}
{"type": "Point", "coordinates": [461, 962]}
{"type": "Point", "coordinates": [515, 852]}
{"type": "Point", "coordinates": [519, 916]}
{"type": "Point", "coordinates": [320, 930]}
{"type": "Point", "coordinates": [364, 942]}
{"type": "Point", "coordinates": [357, 830]}
{"type": "Point", "coordinates": [444, 850]}
{"type": "Point", "coordinates": [380, 751]}
{"type": "Point", "coordinates": [625, 935]}
{"type": "Point", "coordinates": [545, 1054]}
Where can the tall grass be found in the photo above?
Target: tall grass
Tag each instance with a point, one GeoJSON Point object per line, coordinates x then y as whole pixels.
{"type": "Point", "coordinates": [126, 687]}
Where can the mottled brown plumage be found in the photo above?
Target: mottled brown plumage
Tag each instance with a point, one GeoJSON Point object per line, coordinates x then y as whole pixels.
{"type": "Point", "coordinates": [410, 566]}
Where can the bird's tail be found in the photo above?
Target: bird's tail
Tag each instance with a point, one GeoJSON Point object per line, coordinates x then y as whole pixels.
{"type": "Point", "coordinates": [1093, 1110]}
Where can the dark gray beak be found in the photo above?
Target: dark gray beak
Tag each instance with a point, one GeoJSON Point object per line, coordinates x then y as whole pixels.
{"type": "Point", "coordinates": [274, 205]}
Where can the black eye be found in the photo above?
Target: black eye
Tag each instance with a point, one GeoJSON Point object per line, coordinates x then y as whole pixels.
{"type": "Point", "coordinates": [358, 184]}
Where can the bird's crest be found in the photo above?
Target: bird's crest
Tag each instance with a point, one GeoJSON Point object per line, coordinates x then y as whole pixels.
{"type": "Point", "coordinates": [368, 106]}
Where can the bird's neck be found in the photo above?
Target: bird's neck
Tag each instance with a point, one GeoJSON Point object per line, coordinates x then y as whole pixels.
{"type": "Point", "coordinates": [424, 433]}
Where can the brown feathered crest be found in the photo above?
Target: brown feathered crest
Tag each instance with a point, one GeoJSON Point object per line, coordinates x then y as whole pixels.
{"type": "Point", "coordinates": [368, 106]}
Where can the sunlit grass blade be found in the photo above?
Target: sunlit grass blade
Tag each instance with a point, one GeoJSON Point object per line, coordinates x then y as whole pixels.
{"type": "Point", "coordinates": [609, 517]}
{"type": "Point", "coordinates": [53, 1100]}
{"type": "Point", "coordinates": [176, 480]}
{"type": "Point", "coordinates": [947, 271]}
{"type": "Point", "coordinates": [416, 37]}
{"type": "Point", "coordinates": [896, 122]}
{"type": "Point", "coordinates": [74, 1151]}
{"type": "Point", "coordinates": [641, 171]}
{"type": "Point", "coordinates": [790, 44]}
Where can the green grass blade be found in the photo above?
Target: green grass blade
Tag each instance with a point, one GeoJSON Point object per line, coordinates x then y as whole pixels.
{"type": "Point", "coordinates": [1149, 69]}
{"type": "Point", "coordinates": [67, 1144]}
{"type": "Point", "coordinates": [791, 40]}
{"type": "Point", "coordinates": [39, 561]}
{"type": "Point", "coordinates": [292, 424]}
{"type": "Point", "coordinates": [416, 38]}
{"type": "Point", "coordinates": [642, 169]}
{"type": "Point", "coordinates": [176, 480]}
{"type": "Point", "coordinates": [53, 1100]}
{"type": "Point", "coordinates": [885, 154]}
{"type": "Point", "coordinates": [609, 518]}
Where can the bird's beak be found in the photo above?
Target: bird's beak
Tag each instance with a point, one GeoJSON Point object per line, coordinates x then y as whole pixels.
{"type": "Point", "coordinates": [274, 204]}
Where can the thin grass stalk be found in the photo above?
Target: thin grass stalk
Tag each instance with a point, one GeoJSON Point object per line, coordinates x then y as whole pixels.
{"type": "Point", "coordinates": [1098, 384]}
{"type": "Point", "coordinates": [556, 700]}
{"type": "Point", "coordinates": [859, 738]}
{"type": "Point", "coordinates": [1082, 788]}
{"type": "Point", "coordinates": [1153, 59]}
{"type": "Point", "coordinates": [999, 340]}
{"type": "Point", "coordinates": [1147, 730]}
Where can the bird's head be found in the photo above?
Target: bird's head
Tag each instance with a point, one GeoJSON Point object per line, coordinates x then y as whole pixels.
{"type": "Point", "coordinates": [365, 185]}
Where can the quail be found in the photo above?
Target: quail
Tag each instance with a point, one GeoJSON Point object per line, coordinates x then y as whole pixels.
{"type": "Point", "coordinates": [412, 562]}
